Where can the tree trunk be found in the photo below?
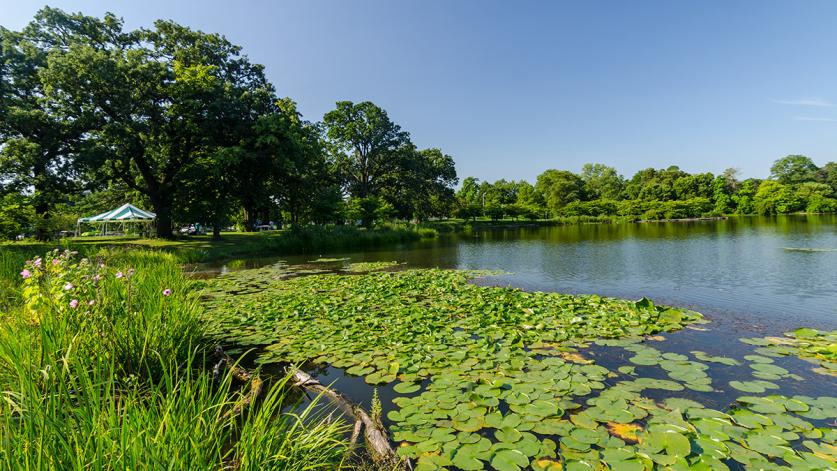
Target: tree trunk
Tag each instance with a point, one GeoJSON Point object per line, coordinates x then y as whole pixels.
{"type": "Point", "coordinates": [164, 221]}
{"type": "Point", "coordinates": [216, 231]}
{"type": "Point", "coordinates": [249, 219]}
{"type": "Point", "coordinates": [42, 231]}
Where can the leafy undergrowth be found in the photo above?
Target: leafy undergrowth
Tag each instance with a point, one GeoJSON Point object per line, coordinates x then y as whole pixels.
{"type": "Point", "coordinates": [496, 377]}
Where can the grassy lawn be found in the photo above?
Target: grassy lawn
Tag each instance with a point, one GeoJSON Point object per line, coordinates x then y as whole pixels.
{"type": "Point", "coordinates": [203, 248]}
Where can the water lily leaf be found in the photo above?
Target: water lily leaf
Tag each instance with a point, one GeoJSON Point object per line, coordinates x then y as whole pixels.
{"type": "Point", "coordinates": [509, 460]}
{"type": "Point", "coordinates": [627, 432]}
{"type": "Point", "coordinates": [468, 457]}
{"type": "Point", "coordinates": [669, 443]}
{"type": "Point", "coordinates": [764, 405]}
{"type": "Point", "coordinates": [541, 409]}
{"type": "Point", "coordinates": [627, 370]}
{"type": "Point", "coordinates": [748, 386]}
{"type": "Point", "coordinates": [769, 368]}
{"type": "Point", "coordinates": [546, 464]}
{"type": "Point", "coordinates": [406, 388]}
{"type": "Point", "coordinates": [758, 359]}
{"type": "Point", "coordinates": [471, 424]}
{"type": "Point", "coordinates": [507, 435]}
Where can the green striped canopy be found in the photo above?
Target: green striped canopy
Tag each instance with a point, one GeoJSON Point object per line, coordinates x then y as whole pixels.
{"type": "Point", "coordinates": [125, 213]}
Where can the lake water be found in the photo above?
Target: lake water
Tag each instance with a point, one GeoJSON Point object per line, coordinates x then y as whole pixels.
{"type": "Point", "coordinates": [750, 276]}
{"type": "Point", "coordinates": [765, 275]}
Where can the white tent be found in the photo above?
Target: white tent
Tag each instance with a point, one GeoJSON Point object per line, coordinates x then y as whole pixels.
{"type": "Point", "coordinates": [127, 213]}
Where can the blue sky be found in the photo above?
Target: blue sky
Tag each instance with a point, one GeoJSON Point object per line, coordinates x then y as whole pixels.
{"type": "Point", "coordinates": [513, 88]}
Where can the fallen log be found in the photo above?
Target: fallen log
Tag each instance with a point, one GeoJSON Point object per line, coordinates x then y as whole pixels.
{"type": "Point", "coordinates": [376, 437]}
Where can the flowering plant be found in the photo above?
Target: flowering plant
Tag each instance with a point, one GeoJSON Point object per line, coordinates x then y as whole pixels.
{"type": "Point", "coordinates": [60, 285]}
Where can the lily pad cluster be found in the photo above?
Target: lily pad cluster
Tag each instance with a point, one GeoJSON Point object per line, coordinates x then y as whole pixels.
{"type": "Point", "coordinates": [366, 267]}
{"type": "Point", "coordinates": [412, 324]}
{"type": "Point", "coordinates": [818, 347]}
{"type": "Point", "coordinates": [497, 378]}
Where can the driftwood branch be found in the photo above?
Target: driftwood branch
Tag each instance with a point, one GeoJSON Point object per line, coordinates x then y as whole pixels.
{"type": "Point", "coordinates": [375, 435]}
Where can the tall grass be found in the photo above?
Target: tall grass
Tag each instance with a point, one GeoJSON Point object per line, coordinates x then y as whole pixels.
{"type": "Point", "coordinates": [123, 383]}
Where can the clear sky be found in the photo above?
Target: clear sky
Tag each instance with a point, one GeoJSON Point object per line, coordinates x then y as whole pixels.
{"type": "Point", "coordinates": [513, 88]}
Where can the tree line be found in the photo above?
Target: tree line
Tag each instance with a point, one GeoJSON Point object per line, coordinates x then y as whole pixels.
{"type": "Point", "coordinates": [180, 120]}
{"type": "Point", "coordinates": [796, 184]}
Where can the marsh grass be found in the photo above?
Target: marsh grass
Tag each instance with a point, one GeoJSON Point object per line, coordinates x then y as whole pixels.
{"type": "Point", "coordinates": [125, 383]}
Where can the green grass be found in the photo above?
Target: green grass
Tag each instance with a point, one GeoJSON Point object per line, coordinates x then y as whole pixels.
{"type": "Point", "coordinates": [309, 239]}
{"type": "Point", "coordinates": [126, 384]}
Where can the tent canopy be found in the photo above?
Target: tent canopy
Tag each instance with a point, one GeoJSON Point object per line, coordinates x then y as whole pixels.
{"type": "Point", "coordinates": [125, 213]}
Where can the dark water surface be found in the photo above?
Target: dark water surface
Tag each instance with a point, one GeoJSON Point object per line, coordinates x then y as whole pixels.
{"type": "Point", "coordinates": [762, 275]}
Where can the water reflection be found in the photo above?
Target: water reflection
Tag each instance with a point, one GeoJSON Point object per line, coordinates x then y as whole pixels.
{"type": "Point", "coordinates": [738, 271]}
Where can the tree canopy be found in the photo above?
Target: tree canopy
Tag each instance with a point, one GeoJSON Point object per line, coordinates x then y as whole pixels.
{"type": "Point", "coordinates": [184, 122]}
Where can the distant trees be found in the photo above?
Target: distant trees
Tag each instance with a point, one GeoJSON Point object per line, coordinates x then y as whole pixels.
{"type": "Point", "coordinates": [797, 184]}
{"type": "Point", "coordinates": [559, 188]}
{"type": "Point", "coordinates": [602, 182]}
{"type": "Point", "coordinates": [793, 170]}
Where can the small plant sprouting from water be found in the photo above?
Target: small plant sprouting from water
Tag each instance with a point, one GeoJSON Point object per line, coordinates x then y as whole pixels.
{"type": "Point", "coordinates": [375, 409]}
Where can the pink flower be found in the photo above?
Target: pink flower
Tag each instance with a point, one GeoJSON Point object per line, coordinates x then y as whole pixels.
{"type": "Point", "coordinates": [26, 274]}
{"type": "Point", "coordinates": [37, 262]}
{"type": "Point", "coordinates": [74, 303]}
{"type": "Point", "coordinates": [68, 286]}
{"type": "Point", "coordinates": [166, 292]}
{"type": "Point", "coordinates": [97, 278]}
{"type": "Point", "coordinates": [55, 261]}
{"type": "Point", "coordinates": [119, 274]}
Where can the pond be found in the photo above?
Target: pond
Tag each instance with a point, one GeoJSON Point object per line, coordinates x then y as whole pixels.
{"type": "Point", "coordinates": [756, 274]}
{"type": "Point", "coordinates": [471, 378]}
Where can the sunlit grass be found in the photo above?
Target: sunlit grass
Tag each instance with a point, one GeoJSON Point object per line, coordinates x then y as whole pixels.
{"type": "Point", "coordinates": [129, 385]}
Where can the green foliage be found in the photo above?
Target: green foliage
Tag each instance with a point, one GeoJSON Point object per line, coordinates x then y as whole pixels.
{"type": "Point", "coordinates": [559, 187]}
{"type": "Point", "coordinates": [16, 215]}
{"type": "Point", "coordinates": [602, 182]}
{"type": "Point", "coordinates": [773, 197]}
{"type": "Point", "coordinates": [793, 170]}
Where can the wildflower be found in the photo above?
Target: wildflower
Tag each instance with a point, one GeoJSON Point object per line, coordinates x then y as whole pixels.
{"type": "Point", "coordinates": [37, 262]}
{"type": "Point", "coordinates": [118, 274]}
{"type": "Point", "coordinates": [131, 271]}
{"type": "Point", "coordinates": [97, 277]}
{"type": "Point", "coordinates": [26, 274]}
{"type": "Point", "coordinates": [55, 261]}
{"type": "Point", "coordinates": [74, 303]}
{"type": "Point", "coordinates": [91, 302]}
{"type": "Point", "coordinates": [166, 292]}
{"type": "Point", "coordinates": [68, 286]}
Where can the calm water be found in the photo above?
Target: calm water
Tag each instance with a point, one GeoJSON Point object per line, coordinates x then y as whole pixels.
{"type": "Point", "coordinates": [743, 273]}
